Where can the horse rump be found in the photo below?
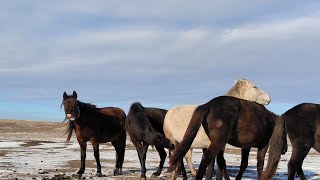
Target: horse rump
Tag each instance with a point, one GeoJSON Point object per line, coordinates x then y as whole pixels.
{"type": "Point", "coordinates": [140, 129]}
{"type": "Point", "coordinates": [191, 132]}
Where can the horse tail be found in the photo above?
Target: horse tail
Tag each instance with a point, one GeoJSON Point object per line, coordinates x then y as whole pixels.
{"type": "Point", "coordinates": [191, 132]}
{"type": "Point", "coordinates": [137, 122]}
{"type": "Point", "coordinates": [135, 113]}
{"type": "Point", "coordinates": [276, 148]}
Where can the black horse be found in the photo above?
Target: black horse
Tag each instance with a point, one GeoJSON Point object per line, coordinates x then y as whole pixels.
{"type": "Point", "coordinates": [98, 125]}
{"type": "Point", "coordinates": [145, 127]}
{"type": "Point", "coordinates": [226, 119]}
{"type": "Point", "coordinates": [302, 124]}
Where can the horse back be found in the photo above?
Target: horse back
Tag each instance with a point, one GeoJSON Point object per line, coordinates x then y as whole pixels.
{"type": "Point", "coordinates": [156, 117]}
{"type": "Point", "coordinates": [114, 111]}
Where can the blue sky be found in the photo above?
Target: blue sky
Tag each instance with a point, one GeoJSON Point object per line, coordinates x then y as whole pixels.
{"type": "Point", "coordinates": [161, 53]}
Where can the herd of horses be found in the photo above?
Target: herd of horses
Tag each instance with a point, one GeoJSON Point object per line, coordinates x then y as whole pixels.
{"type": "Point", "coordinates": [238, 118]}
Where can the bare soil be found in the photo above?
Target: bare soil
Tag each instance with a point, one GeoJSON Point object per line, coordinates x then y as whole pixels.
{"type": "Point", "coordinates": [37, 150]}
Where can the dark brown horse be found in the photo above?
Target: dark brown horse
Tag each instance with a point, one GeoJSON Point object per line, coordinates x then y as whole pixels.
{"type": "Point", "coordinates": [302, 124]}
{"type": "Point", "coordinates": [98, 125]}
{"type": "Point", "coordinates": [226, 119]}
{"type": "Point", "coordinates": [145, 127]}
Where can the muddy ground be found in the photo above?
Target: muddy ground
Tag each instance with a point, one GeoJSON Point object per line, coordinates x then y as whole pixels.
{"type": "Point", "coordinates": [37, 150]}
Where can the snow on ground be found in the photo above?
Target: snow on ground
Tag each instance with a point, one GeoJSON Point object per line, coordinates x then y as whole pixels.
{"type": "Point", "coordinates": [27, 159]}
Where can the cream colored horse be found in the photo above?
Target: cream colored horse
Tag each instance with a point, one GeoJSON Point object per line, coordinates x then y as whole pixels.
{"type": "Point", "coordinates": [177, 119]}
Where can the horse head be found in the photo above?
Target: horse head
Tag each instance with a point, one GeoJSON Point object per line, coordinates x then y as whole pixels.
{"type": "Point", "coordinates": [246, 89]}
{"type": "Point", "coordinates": [71, 107]}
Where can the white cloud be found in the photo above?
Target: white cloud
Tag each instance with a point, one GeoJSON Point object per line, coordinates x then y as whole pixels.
{"type": "Point", "coordinates": [177, 51]}
{"type": "Point", "coordinates": [274, 30]}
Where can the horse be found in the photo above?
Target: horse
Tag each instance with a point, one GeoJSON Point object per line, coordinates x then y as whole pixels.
{"type": "Point", "coordinates": [302, 124]}
{"type": "Point", "coordinates": [181, 115]}
{"type": "Point", "coordinates": [97, 125]}
{"type": "Point", "coordinates": [145, 127]}
{"type": "Point", "coordinates": [231, 120]}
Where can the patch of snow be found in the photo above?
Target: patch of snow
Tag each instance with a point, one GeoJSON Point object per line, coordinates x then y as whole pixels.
{"type": "Point", "coordinates": [19, 161]}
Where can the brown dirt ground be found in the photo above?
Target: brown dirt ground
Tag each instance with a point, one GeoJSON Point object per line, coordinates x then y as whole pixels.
{"type": "Point", "coordinates": [34, 133]}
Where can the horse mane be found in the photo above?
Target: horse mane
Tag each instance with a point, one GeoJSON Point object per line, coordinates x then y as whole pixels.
{"type": "Point", "coordinates": [236, 90]}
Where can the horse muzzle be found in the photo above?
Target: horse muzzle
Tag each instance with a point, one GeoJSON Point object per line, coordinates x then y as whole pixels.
{"type": "Point", "coordinates": [70, 117]}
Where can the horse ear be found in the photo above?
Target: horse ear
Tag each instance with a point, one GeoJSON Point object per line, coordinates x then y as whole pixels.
{"type": "Point", "coordinates": [65, 95]}
{"type": "Point", "coordinates": [236, 81]}
{"type": "Point", "coordinates": [74, 94]}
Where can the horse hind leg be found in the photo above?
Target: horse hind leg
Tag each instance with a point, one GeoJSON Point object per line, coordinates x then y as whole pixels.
{"type": "Point", "coordinates": [208, 156]}
{"type": "Point", "coordinates": [244, 162]}
{"type": "Point", "coordinates": [301, 174]}
{"type": "Point", "coordinates": [222, 165]}
{"type": "Point", "coordinates": [120, 146]}
{"type": "Point", "coordinates": [296, 160]}
{"type": "Point", "coordinates": [188, 157]}
{"type": "Point", "coordinates": [260, 159]}
{"type": "Point", "coordinates": [163, 155]}
{"type": "Point", "coordinates": [218, 171]}
{"type": "Point", "coordinates": [179, 170]}
{"type": "Point", "coordinates": [210, 168]}
{"type": "Point", "coordinates": [142, 153]}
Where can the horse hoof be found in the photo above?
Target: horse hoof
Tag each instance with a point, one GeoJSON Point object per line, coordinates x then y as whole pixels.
{"type": "Point", "coordinates": [117, 171]}
{"type": "Point", "coordinates": [143, 177]}
{"type": "Point", "coordinates": [154, 176]}
{"type": "Point", "coordinates": [98, 174]}
{"type": "Point", "coordinates": [77, 175]}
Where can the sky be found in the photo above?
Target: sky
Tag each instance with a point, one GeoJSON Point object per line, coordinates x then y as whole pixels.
{"type": "Point", "coordinates": [161, 53]}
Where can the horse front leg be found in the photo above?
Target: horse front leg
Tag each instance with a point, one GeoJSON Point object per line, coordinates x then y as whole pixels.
{"type": "Point", "coordinates": [260, 159]}
{"type": "Point", "coordinates": [83, 148]}
{"type": "Point", "coordinates": [95, 145]}
{"type": "Point", "coordinates": [244, 162]}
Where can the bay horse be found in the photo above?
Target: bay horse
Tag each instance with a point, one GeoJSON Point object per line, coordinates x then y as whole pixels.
{"type": "Point", "coordinates": [97, 125]}
{"type": "Point", "coordinates": [231, 120]}
{"type": "Point", "coordinates": [144, 126]}
{"type": "Point", "coordinates": [177, 120]}
{"type": "Point", "coordinates": [302, 124]}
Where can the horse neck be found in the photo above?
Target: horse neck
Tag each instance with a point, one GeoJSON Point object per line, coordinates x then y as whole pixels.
{"type": "Point", "coordinates": [86, 110]}
{"type": "Point", "coordinates": [234, 92]}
